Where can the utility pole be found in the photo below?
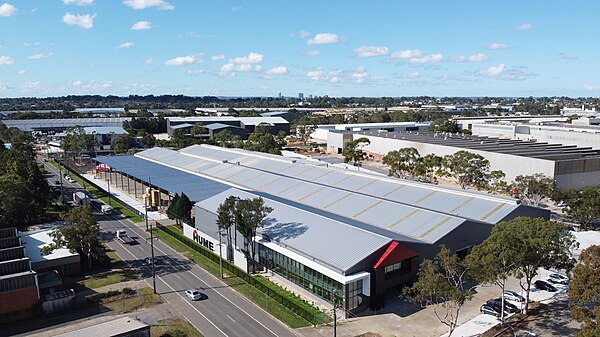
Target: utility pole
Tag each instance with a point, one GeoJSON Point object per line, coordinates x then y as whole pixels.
{"type": "Point", "coordinates": [109, 174]}
{"type": "Point", "coordinates": [152, 242]}
{"type": "Point", "coordinates": [62, 193]}
{"type": "Point", "coordinates": [334, 313]}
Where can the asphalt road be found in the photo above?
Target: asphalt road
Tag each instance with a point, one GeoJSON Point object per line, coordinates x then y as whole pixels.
{"type": "Point", "coordinates": [223, 313]}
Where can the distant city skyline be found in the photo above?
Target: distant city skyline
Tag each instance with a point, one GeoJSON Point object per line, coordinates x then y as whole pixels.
{"type": "Point", "coordinates": [335, 48]}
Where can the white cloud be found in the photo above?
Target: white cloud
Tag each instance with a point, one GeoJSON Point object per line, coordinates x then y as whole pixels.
{"type": "Point", "coordinates": [92, 85]}
{"type": "Point", "coordinates": [6, 60]}
{"type": "Point", "coordinates": [525, 26]}
{"type": "Point", "coordinates": [313, 52]}
{"type": "Point", "coordinates": [250, 59]}
{"type": "Point", "coordinates": [79, 2]}
{"type": "Point", "coordinates": [479, 57]}
{"type": "Point", "coordinates": [407, 54]}
{"type": "Point", "coordinates": [126, 45]}
{"type": "Point", "coordinates": [85, 21]}
{"type": "Point", "coordinates": [195, 72]}
{"type": "Point", "coordinates": [433, 58]}
{"type": "Point", "coordinates": [141, 25]}
{"type": "Point", "coordinates": [496, 46]}
{"type": "Point", "coordinates": [185, 60]}
{"type": "Point", "coordinates": [149, 61]}
{"type": "Point", "coordinates": [30, 86]}
{"type": "Point", "coordinates": [359, 75]}
{"type": "Point", "coordinates": [280, 70]}
{"type": "Point", "coordinates": [39, 56]}
{"type": "Point", "coordinates": [218, 57]}
{"type": "Point", "coordinates": [370, 51]}
{"type": "Point", "coordinates": [494, 71]}
{"type": "Point", "coordinates": [302, 34]}
{"type": "Point", "coordinates": [76, 83]}
{"type": "Point", "coordinates": [414, 74]}
{"type": "Point", "coordinates": [315, 75]}
{"type": "Point", "coordinates": [591, 87]}
{"type": "Point", "coordinates": [324, 38]}
{"type": "Point", "coordinates": [22, 72]}
{"type": "Point", "coordinates": [143, 4]}
{"type": "Point", "coordinates": [7, 9]}
{"type": "Point", "coordinates": [567, 56]}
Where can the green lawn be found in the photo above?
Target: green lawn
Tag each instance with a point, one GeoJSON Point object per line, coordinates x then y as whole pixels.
{"type": "Point", "coordinates": [102, 195]}
{"type": "Point", "coordinates": [171, 325]}
{"type": "Point", "coordinates": [261, 299]}
{"type": "Point", "coordinates": [107, 278]}
{"type": "Point", "coordinates": [142, 298]}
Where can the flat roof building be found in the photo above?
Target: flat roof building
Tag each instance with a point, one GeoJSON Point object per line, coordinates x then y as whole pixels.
{"type": "Point", "coordinates": [119, 327]}
{"type": "Point", "coordinates": [62, 124]}
{"type": "Point", "coordinates": [320, 133]}
{"type": "Point", "coordinates": [332, 231]}
{"type": "Point", "coordinates": [248, 123]}
{"type": "Point", "coordinates": [570, 166]}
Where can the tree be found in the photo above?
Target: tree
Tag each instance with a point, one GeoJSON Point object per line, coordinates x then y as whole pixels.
{"type": "Point", "coordinates": [584, 292]}
{"type": "Point", "coordinates": [122, 143]}
{"type": "Point", "coordinates": [533, 188]}
{"type": "Point", "coordinates": [148, 140]}
{"type": "Point", "coordinates": [304, 131]}
{"type": "Point", "coordinates": [352, 151]}
{"type": "Point", "coordinates": [186, 206]}
{"type": "Point", "coordinates": [227, 139]}
{"type": "Point", "coordinates": [403, 163]}
{"type": "Point", "coordinates": [179, 138]}
{"type": "Point", "coordinates": [444, 124]}
{"type": "Point", "coordinates": [441, 283]}
{"type": "Point", "coordinates": [541, 243]}
{"type": "Point", "coordinates": [227, 217]}
{"type": "Point", "coordinates": [81, 235]}
{"type": "Point", "coordinates": [496, 182]}
{"type": "Point", "coordinates": [198, 129]}
{"type": "Point", "coordinates": [262, 142]}
{"type": "Point", "coordinates": [468, 168]}
{"type": "Point", "coordinates": [582, 205]}
{"type": "Point", "coordinates": [495, 260]}
{"type": "Point", "coordinates": [280, 139]}
{"type": "Point", "coordinates": [78, 141]}
{"type": "Point", "coordinates": [251, 214]}
{"type": "Point", "coordinates": [430, 165]}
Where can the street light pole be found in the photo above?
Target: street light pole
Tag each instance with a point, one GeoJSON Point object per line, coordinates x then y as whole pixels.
{"type": "Point", "coordinates": [334, 313]}
{"type": "Point", "coordinates": [220, 254]}
{"type": "Point", "coordinates": [151, 242]}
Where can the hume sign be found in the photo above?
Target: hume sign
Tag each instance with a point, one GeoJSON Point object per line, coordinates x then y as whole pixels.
{"type": "Point", "coordinates": [203, 241]}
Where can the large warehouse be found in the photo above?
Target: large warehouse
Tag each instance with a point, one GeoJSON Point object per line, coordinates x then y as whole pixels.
{"type": "Point", "coordinates": [242, 126]}
{"type": "Point", "coordinates": [331, 231]}
{"type": "Point", "coordinates": [570, 166]}
{"type": "Point", "coordinates": [62, 124]}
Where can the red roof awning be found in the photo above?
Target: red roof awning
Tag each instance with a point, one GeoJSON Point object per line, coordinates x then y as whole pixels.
{"type": "Point", "coordinates": [394, 254]}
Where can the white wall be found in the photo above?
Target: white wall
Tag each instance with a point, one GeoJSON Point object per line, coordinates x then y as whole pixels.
{"type": "Point", "coordinates": [209, 242]}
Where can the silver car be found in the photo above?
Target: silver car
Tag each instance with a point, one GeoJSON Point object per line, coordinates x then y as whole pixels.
{"type": "Point", "coordinates": [558, 278]}
{"type": "Point", "coordinates": [513, 296]}
{"type": "Point", "coordinates": [194, 294]}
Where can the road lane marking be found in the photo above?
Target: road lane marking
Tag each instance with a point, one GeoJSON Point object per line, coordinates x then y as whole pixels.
{"type": "Point", "coordinates": [231, 318]}
{"type": "Point", "coordinates": [176, 292]}
{"type": "Point", "coordinates": [198, 278]}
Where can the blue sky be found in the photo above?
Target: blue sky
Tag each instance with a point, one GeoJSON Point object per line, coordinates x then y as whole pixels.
{"type": "Point", "coordinates": [336, 48]}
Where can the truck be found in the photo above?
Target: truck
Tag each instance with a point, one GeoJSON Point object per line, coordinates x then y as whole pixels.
{"type": "Point", "coordinates": [122, 235]}
{"type": "Point", "coordinates": [106, 209]}
{"type": "Point", "coordinates": [80, 198]}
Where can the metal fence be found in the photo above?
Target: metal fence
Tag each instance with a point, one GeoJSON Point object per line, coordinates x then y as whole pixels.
{"type": "Point", "coordinates": [268, 289]}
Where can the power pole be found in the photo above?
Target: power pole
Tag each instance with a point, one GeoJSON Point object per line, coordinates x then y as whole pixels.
{"type": "Point", "coordinates": [152, 243]}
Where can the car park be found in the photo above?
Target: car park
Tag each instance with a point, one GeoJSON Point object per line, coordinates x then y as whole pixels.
{"type": "Point", "coordinates": [193, 294]}
{"type": "Point", "coordinates": [490, 310]}
{"type": "Point", "coordinates": [508, 307]}
{"type": "Point", "coordinates": [513, 296]}
{"type": "Point", "coordinates": [558, 278]}
{"type": "Point", "coordinates": [543, 285]}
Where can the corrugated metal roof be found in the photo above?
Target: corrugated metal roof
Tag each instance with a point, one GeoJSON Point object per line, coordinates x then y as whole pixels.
{"type": "Point", "coordinates": [310, 234]}
{"type": "Point", "coordinates": [318, 188]}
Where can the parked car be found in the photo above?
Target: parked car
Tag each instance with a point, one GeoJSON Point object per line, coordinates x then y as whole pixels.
{"type": "Point", "coordinates": [194, 294]}
{"type": "Point", "coordinates": [558, 278]}
{"type": "Point", "coordinates": [513, 296]}
{"type": "Point", "coordinates": [508, 307]}
{"type": "Point", "coordinates": [150, 259]}
{"type": "Point", "coordinates": [490, 310]}
{"type": "Point", "coordinates": [56, 182]}
{"type": "Point", "coordinates": [543, 285]}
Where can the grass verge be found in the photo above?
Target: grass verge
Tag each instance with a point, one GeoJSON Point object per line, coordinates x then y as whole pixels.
{"type": "Point", "coordinates": [141, 298]}
{"type": "Point", "coordinates": [253, 294]}
{"type": "Point", "coordinates": [108, 278]}
{"type": "Point", "coordinates": [102, 195]}
{"type": "Point", "coordinates": [170, 326]}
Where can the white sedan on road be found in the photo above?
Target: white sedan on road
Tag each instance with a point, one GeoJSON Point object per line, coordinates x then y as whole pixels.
{"type": "Point", "coordinates": [194, 294]}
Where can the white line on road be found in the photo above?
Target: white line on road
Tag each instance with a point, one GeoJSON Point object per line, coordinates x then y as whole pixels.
{"type": "Point", "coordinates": [174, 291]}
{"type": "Point", "coordinates": [231, 318]}
{"type": "Point", "coordinates": [218, 292]}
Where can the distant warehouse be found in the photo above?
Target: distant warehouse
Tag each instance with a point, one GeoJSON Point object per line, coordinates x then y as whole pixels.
{"type": "Point", "coordinates": [570, 166]}
{"type": "Point", "coordinates": [352, 235]}
{"type": "Point", "coordinates": [61, 124]}
{"type": "Point", "coordinates": [242, 126]}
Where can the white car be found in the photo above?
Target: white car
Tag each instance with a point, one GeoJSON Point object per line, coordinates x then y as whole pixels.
{"type": "Point", "coordinates": [150, 259]}
{"type": "Point", "coordinates": [558, 278]}
{"type": "Point", "coordinates": [194, 294]}
{"type": "Point", "coordinates": [513, 296]}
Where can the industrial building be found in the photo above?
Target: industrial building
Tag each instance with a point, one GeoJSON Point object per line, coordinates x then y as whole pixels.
{"type": "Point", "coordinates": [583, 132]}
{"type": "Point", "coordinates": [467, 123]}
{"type": "Point", "coordinates": [321, 132]}
{"type": "Point", "coordinates": [56, 125]}
{"type": "Point", "coordinates": [570, 166]}
{"type": "Point", "coordinates": [335, 232]}
{"type": "Point", "coordinates": [243, 126]}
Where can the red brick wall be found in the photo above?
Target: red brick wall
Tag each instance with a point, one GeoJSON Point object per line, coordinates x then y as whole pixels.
{"type": "Point", "coordinates": [18, 300]}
